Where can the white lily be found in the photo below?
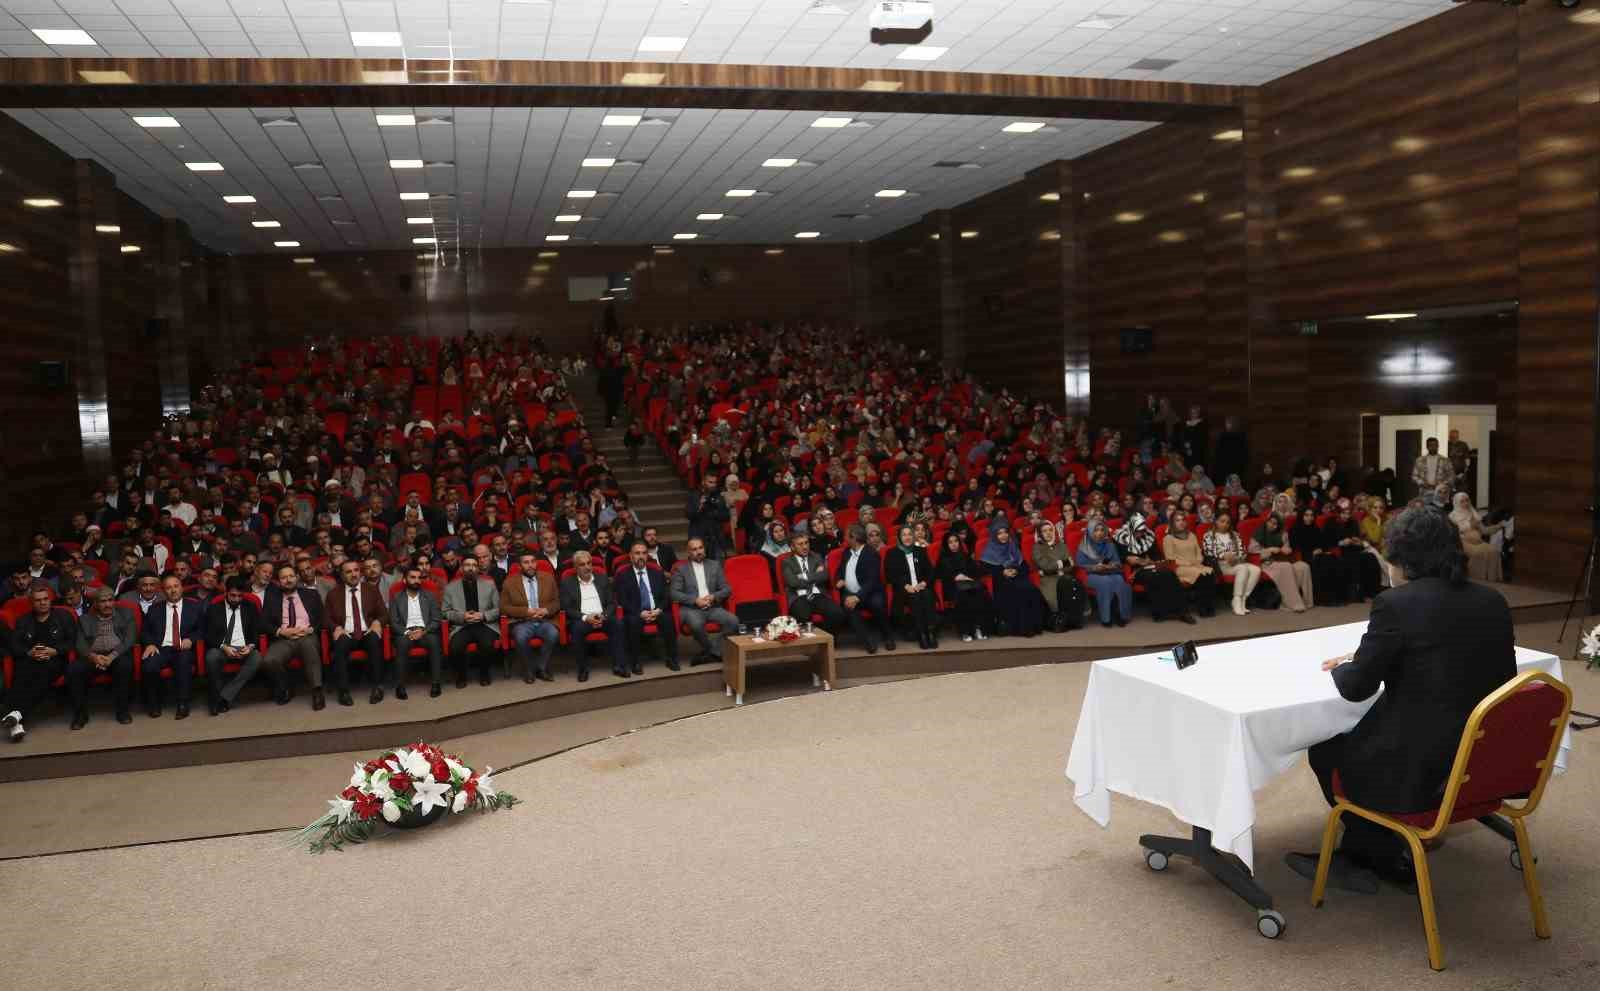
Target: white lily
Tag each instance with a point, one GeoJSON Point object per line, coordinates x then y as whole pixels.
{"type": "Point", "coordinates": [412, 763]}
{"type": "Point", "coordinates": [430, 794]}
{"type": "Point", "coordinates": [459, 804]}
{"type": "Point", "coordinates": [457, 770]}
{"type": "Point", "coordinates": [358, 778]}
{"type": "Point", "coordinates": [391, 812]}
{"type": "Point", "coordinates": [342, 808]}
{"type": "Point", "coordinates": [378, 786]}
{"type": "Point", "coordinates": [485, 785]}
{"type": "Point", "coordinates": [1591, 642]}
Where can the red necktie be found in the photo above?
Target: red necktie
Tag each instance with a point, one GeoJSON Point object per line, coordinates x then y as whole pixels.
{"type": "Point", "coordinates": [355, 599]}
{"type": "Point", "coordinates": [173, 625]}
{"type": "Point", "coordinates": [294, 618]}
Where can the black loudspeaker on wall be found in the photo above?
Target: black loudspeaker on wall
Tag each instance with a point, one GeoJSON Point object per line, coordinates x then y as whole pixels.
{"type": "Point", "coordinates": [402, 282]}
{"type": "Point", "coordinates": [155, 328]}
{"type": "Point", "coordinates": [52, 374]}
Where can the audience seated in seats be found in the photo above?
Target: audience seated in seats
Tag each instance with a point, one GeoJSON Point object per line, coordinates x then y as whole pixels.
{"type": "Point", "coordinates": [169, 632]}
{"type": "Point", "coordinates": [233, 630]}
{"type": "Point", "coordinates": [1188, 562]}
{"type": "Point", "coordinates": [40, 641]}
{"type": "Point", "coordinates": [1226, 552]}
{"type": "Point", "coordinates": [590, 609]}
{"type": "Point", "coordinates": [472, 608]}
{"type": "Point", "coordinates": [1147, 568]}
{"type": "Point", "coordinates": [1361, 568]}
{"type": "Point", "coordinates": [357, 617]}
{"type": "Point", "coordinates": [1292, 577]}
{"type": "Point", "coordinates": [646, 600]}
{"type": "Point", "coordinates": [1019, 607]}
{"type": "Point", "coordinates": [908, 575]}
{"type": "Point", "coordinates": [858, 577]}
{"type": "Point", "coordinates": [416, 619]}
{"type": "Point", "coordinates": [1058, 579]}
{"type": "Point", "coordinates": [1483, 558]}
{"type": "Point", "coordinates": [530, 601]}
{"type": "Point", "coordinates": [1102, 563]}
{"type": "Point", "coordinates": [1329, 579]}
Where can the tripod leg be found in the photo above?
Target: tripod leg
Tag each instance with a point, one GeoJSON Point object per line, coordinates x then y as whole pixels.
{"type": "Point", "coordinates": [1581, 586]}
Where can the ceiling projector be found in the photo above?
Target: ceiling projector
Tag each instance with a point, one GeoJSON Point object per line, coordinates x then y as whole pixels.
{"type": "Point", "coordinates": [901, 22]}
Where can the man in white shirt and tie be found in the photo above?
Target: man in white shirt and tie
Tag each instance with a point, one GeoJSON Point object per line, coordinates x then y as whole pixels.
{"type": "Point", "coordinates": [805, 582]}
{"type": "Point", "coordinates": [700, 589]}
{"type": "Point", "coordinates": [233, 630]}
{"type": "Point", "coordinates": [645, 599]}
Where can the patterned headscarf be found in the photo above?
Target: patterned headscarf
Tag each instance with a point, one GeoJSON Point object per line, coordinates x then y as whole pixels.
{"type": "Point", "coordinates": [1135, 536]}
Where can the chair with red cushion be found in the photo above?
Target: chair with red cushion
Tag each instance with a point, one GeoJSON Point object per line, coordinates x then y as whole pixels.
{"type": "Point", "coordinates": [1507, 752]}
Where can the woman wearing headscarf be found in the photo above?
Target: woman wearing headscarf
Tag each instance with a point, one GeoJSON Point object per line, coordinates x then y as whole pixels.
{"type": "Point", "coordinates": [1137, 544]}
{"type": "Point", "coordinates": [1483, 559]}
{"type": "Point", "coordinates": [1327, 577]}
{"type": "Point", "coordinates": [1283, 507]}
{"type": "Point", "coordinates": [775, 545]}
{"type": "Point", "coordinates": [1372, 525]}
{"type": "Point", "coordinates": [1227, 553]}
{"type": "Point", "coordinates": [1017, 602]}
{"type": "Point", "coordinates": [1293, 578]}
{"type": "Point", "coordinates": [909, 576]}
{"type": "Point", "coordinates": [1205, 513]}
{"type": "Point", "coordinates": [1057, 579]}
{"type": "Point", "coordinates": [1198, 579]}
{"type": "Point", "coordinates": [961, 582]}
{"type": "Point", "coordinates": [1233, 488]}
{"type": "Point", "coordinates": [1361, 568]}
{"type": "Point", "coordinates": [1098, 555]}
{"type": "Point", "coordinates": [1199, 482]}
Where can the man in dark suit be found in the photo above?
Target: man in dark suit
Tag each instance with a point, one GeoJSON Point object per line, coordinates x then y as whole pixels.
{"type": "Point", "coordinates": [805, 582]}
{"type": "Point", "coordinates": [170, 630]}
{"type": "Point", "coordinates": [909, 575]}
{"type": "Point", "coordinates": [586, 599]}
{"type": "Point", "coordinates": [472, 606]}
{"type": "Point", "coordinates": [1437, 645]}
{"type": "Point", "coordinates": [233, 632]}
{"type": "Point", "coordinates": [107, 637]}
{"type": "Point", "coordinates": [293, 617]}
{"type": "Point", "coordinates": [356, 618]}
{"type": "Point", "coordinates": [662, 554]}
{"type": "Point", "coordinates": [645, 598]}
{"type": "Point", "coordinates": [859, 579]}
{"type": "Point", "coordinates": [416, 622]}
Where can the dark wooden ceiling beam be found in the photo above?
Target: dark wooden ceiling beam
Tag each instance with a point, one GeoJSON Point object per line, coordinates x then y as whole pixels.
{"type": "Point", "coordinates": [518, 83]}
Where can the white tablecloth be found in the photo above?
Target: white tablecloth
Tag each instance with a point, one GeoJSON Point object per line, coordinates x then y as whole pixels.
{"type": "Point", "coordinates": [1200, 742]}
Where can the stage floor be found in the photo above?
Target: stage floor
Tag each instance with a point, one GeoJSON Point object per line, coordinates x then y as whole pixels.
{"type": "Point", "coordinates": [917, 834]}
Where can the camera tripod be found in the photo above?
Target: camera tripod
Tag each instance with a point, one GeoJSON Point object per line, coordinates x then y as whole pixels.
{"type": "Point", "coordinates": [1581, 587]}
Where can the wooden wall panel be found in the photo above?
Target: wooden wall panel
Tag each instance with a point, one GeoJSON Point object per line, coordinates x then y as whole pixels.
{"type": "Point", "coordinates": [904, 274]}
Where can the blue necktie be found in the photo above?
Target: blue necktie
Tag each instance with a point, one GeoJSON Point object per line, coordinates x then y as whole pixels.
{"type": "Point", "coordinates": [644, 588]}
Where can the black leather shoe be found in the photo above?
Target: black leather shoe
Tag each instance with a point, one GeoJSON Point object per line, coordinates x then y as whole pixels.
{"type": "Point", "coordinates": [583, 675]}
{"type": "Point", "coordinates": [214, 706]}
{"type": "Point", "coordinates": [483, 678]}
{"type": "Point", "coordinates": [1395, 870]}
{"type": "Point", "coordinates": [461, 680]}
{"type": "Point", "coordinates": [123, 717]}
{"type": "Point", "coordinates": [400, 692]}
{"type": "Point", "coordinates": [620, 672]}
{"type": "Point", "coordinates": [1188, 617]}
{"type": "Point", "coordinates": [527, 679]}
{"type": "Point", "coordinates": [544, 676]}
{"type": "Point", "coordinates": [183, 711]}
{"type": "Point", "coordinates": [80, 719]}
{"type": "Point", "coordinates": [153, 711]}
{"type": "Point", "coordinates": [436, 690]}
{"type": "Point", "coordinates": [376, 696]}
{"type": "Point", "coordinates": [318, 700]}
{"type": "Point", "coordinates": [872, 648]}
{"type": "Point", "coordinates": [281, 696]}
{"type": "Point", "coordinates": [636, 669]}
{"type": "Point", "coordinates": [344, 697]}
{"type": "Point", "coordinates": [673, 665]}
{"type": "Point", "coordinates": [224, 705]}
{"type": "Point", "coordinates": [888, 645]}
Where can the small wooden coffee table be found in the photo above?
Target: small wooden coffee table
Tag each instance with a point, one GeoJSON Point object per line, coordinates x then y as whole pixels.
{"type": "Point", "coordinates": [738, 652]}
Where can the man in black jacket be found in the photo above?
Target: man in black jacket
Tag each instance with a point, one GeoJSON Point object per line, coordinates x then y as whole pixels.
{"type": "Point", "coordinates": [708, 515]}
{"type": "Point", "coordinates": [39, 646]}
{"type": "Point", "coordinates": [233, 633]}
{"type": "Point", "coordinates": [1437, 645]}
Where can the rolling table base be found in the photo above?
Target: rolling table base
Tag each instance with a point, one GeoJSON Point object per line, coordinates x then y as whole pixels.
{"type": "Point", "coordinates": [1226, 868]}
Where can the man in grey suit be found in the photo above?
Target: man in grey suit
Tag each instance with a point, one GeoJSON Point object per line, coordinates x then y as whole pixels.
{"type": "Point", "coordinates": [805, 581]}
{"type": "Point", "coordinates": [472, 608]}
{"type": "Point", "coordinates": [415, 617]}
{"type": "Point", "coordinates": [105, 643]}
{"type": "Point", "coordinates": [700, 589]}
{"type": "Point", "coordinates": [587, 601]}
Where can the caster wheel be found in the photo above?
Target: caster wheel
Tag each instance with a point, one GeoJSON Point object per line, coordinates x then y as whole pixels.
{"type": "Point", "coordinates": [1270, 923]}
{"type": "Point", "coordinates": [1155, 860]}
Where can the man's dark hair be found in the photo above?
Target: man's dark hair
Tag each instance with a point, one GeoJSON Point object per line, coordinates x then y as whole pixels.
{"type": "Point", "coordinates": [858, 533]}
{"type": "Point", "coordinates": [1426, 544]}
{"type": "Point", "coordinates": [238, 584]}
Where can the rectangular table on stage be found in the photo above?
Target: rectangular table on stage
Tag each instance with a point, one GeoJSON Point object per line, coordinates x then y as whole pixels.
{"type": "Point", "coordinates": [1200, 742]}
{"type": "Point", "coordinates": [739, 651]}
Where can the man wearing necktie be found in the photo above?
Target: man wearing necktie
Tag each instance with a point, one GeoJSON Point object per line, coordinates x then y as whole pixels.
{"type": "Point", "coordinates": [529, 600]}
{"type": "Point", "coordinates": [233, 626]}
{"type": "Point", "coordinates": [644, 596]}
{"type": "Point", "coordinates": [805, 580]}
{"type": "Point", "coordinates": [170, 629]}
{"type": "Point", "coordinates": [356, 617]}
{"type": "Point", "coordinates": [293, 619]}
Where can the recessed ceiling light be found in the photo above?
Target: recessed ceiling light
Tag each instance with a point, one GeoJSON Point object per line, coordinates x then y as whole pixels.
{"type": "Point", "coordinates": [42, 202]}
{"type": "Point", "coordinates": [107, 228]}
{"type": "Point", "coordinates": [264, 224]}
{"type": "Point", "coordinates": [238, 198]}
{"type": "Point", "coordinates": [662, 250]}
{"type": "Point", "coordinates": [413, 196]}
{"type": "Point", "coordinates": [424, 240]}
{"type": "Point", "coordinates": [889, 194]}
{"type": "Point", "coordinates": [7, 248]}
{"type": "Point", "coordinates": [1199, 197]}
{"type": "Point", "coordinates": [568, 218]}
{"type": "Point", "coordinates": [1230, 135]}
{"type": "Point", "coordinates": [1409, 145]}
{"type": "Point", "coordinates": [741, 193]}
{"type": "Point", "coordinates": [1299, 172]}
{"type": "Point", "coordinates": [419, 220]}
{"type": "Point", "coordinates": [662, 43]}
{"type": "Point", "coordinates": [807, 235]}
{"type": "Point", "coordinates": [922, 53]}
{"type": "Point", "coordinates": [303, 260]}
{"type": "Point", "coordinates": [405, 163]}
{"type": "Point", "coordinates": [684, 237]}
{"type": "Point", "coordinates": [968, 235]}
{"type": "Point", "coordinates": [599, 163]}
{"type": "Point", "coordinates": [555, 237]}
{"type": "Point", "coordinates": [549, 254]}
{"type": "Point", "coordinates": [1391, 316]}
{"type": "Point", "coordinates": [102, 77]}
{"type": "Point", "coordinates": [375, 39]}
{"type": "Point", "coordinates": [1332, 199]}
{"type": "Point", "coordinates": [1050, 234]}
{"type": "Point", "coordinates": [1023, 127]}
{"type": "Point", "coordinates": [1100, 22]}
{"type": "Point", "coordinates": [385, 77]}
{"type": "Point", "coordinates": [1051, 197]}
{"type": "Point", "coordinates": [621, 120]}
{"type": "Point", "coordinates": [1172, 237]}
{"type": "Point", "coordinates": [580, 194]}
{"type": "Point", "coordinates": [643, 78]}
{"type": "Point", "coordinates": [779, 163]}
{"type": "Point", "coordinates": [203, 166]}
{"type": "Point", "coordinates": [1235, 215]}
{"type": "Point", "coordinates": [60, 37]}
{"type": "Point", "coordinates": [879, 86]}
{"type": "Point", "coordinates": [774, 251]}
{"type": "Point", "coordinates": [286, 244]}
{"type": "Point", "coordinates": [157, 121]}
{"type": "Point", "coordinates": [708, 216]}
{"type": "Point", "coordinates": [130, 249]}
{"type": "Point", "coordinates": [1128, 217]}
{"type": "Point", "coordinates": [832, 122]}
{"type": "Point", "coordinates": [396, 120]}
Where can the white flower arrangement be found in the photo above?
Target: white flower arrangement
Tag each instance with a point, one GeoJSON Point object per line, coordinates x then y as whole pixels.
{"type": "Point", "coordinates": [783, 628]}
{"type": "Point", "coordinates": [1590, 647]}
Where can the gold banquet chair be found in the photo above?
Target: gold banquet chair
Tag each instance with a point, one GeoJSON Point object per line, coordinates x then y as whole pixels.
{"type": "Point", "coordinates": [1507, 752]}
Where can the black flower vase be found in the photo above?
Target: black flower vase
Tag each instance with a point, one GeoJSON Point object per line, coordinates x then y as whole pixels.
{"type": "Point", "coordinates": [412, 819]}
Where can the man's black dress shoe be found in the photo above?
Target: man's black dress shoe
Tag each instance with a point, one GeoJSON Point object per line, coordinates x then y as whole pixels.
{"type": "Point", "coordinates": [1396, 869]}
{"type": "Point", "coordinates": [153, 711]}
{"type": "Point", "coordinates": [400, 692]}
{"type": "Point", "coordinates": [544, 676]}
{"type": "Point", "coordinates": [483, 677]}
{"type": "Point", "coordinates": [583, 675]}
{"type": "Point", "coordinates": [888, 644]}
{"type": "Point", "coordinates": [376, 696]}
{"type": "Point", "coordinates": [318, 700]}
{"type": "Point", "coordinates": [872, 648]}
{"type": "Point", "coordinates": [635, 668]}
{"type": "Point", "coordinates": [281, 697]}
{"type": "Point", "coordinates": [436, 690]}
{"type": "Point", "coordinates": [527, 679]}
{"type": "Point", "coordinates": [672, 664]}
{"type": "Point", "coordinates": [702, 658]}
{"type": "Point", "coordinates": [620, 672]}
{"type": "Point", "coordinates": [123, 717]}
{"type": "Point", "coordinates": [1188, 617]}
{"type": "Point", "coordinates": [344, 697]}
{"type": "Point", "coordinates": [80, 719]}
{"type": "Point", "coordinates": [214, 706]}
{"type": "Point", "coordinates": [183, 711]}
{"type": "Point", "coordinates": [224, 705]}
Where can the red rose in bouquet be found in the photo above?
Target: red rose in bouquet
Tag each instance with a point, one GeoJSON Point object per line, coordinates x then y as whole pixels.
{"type": "Point", "coordinates": [400, 782]}
{"type": "Point", "coordinates": [441, 770]}
{"type": "Point", "coordinates": [368, 806]}
{"type": "Point", "coordinates": [350, 794]}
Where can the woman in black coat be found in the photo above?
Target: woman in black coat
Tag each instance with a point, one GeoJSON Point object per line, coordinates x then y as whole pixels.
{"type": "Point", "coordinates": [908, 575]}
{"type": "Point", "coordinates": [1330, 581]}
{"type": "Point", "coordinates": [961, 583]}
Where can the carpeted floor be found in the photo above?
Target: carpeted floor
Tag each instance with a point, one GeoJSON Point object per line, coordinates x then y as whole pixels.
{"type": "Point", "coordinates": [918, 834]}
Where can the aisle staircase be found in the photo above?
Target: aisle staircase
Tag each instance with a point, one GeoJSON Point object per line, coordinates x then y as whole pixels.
{"type": "Point", "coordinates": [655, 494]}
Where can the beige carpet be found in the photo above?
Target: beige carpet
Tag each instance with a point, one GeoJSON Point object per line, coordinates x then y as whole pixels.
{"type": "Point", "coordinates": [909, 835]}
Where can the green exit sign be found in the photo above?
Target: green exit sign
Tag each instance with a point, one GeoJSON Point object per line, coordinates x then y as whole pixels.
{"type": "Point", "coordinates": [1305, 328]}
